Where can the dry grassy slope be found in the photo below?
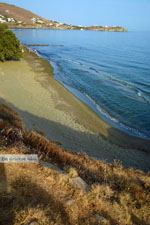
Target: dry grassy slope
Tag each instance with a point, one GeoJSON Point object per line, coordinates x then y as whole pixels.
{"type": "Point", "coordinates": [17, 13]}
{"type": "Point", "coordinates": [114, 196]}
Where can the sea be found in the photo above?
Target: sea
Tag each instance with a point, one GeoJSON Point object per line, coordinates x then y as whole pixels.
{"type": "Point", "coordinates": [108, 71]}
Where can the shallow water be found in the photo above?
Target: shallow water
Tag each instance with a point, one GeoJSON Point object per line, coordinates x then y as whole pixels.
{"type": "Point", "coordinates": [108, 71]}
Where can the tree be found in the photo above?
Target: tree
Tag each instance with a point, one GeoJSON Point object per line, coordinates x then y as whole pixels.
{"type": "Point", "coordinates": [10, 48]}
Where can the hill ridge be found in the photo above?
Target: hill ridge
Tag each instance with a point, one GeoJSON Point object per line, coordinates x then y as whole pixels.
{"type": "Point", "coordinates": [17, 17]}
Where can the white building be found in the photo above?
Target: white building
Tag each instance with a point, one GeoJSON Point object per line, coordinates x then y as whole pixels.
{"type": "Point", "coordinates": [10, 20]}
{"type": "Point", "coordinates": [40, 21]}
{"type": "Point", "coordinates": [19, 21]}
{"type": "Point", "coordinates": [2, 20]}
{"type": "Point", "coordinates": [34, 20]}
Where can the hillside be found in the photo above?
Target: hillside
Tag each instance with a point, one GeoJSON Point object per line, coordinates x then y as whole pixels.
{"type": "Point", "coordinates": [65, 188]}
{"type": "Point", "coordinates": [17, 17]}
{"type": "Point", "coordinates": [17, 13]}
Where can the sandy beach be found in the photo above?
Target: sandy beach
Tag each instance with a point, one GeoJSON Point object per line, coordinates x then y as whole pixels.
{"type": "Point", "coordinates": [46, 106]}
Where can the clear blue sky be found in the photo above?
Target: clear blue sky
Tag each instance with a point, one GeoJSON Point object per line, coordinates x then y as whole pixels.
{"type": "Point", "coordinates": [133, 14]}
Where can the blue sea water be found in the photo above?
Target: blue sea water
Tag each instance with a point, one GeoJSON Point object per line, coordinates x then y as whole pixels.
{"type": "Point", "coordinates": [108, 71]}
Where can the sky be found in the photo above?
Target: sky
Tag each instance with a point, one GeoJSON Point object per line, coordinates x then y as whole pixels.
{"type": "Point", "coordinates": [132, 14]}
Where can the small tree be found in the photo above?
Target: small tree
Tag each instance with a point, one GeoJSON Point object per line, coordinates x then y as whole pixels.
{"type": "Point", "coordinates": [9, 45]}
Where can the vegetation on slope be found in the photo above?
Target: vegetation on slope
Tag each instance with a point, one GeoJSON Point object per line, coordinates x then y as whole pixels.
{"type": "Point", "coordinates": [9, 45]}
{"type": "Point", "coordinates": [113, 195]}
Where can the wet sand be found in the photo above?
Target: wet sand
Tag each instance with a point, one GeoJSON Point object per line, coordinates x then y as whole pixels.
{"type": "Point", "coordinates": [46, 106]}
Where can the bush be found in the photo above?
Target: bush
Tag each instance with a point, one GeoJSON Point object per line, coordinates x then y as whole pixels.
{"type": "Point", "coordinates": [9, 45]}
{"type": "Point", "coordinates": [3, 27]}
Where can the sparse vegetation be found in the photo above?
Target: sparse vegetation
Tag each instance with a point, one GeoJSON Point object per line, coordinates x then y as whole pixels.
{"type": "Point", "coordinates": [9, 45]}
{"type": "Point", "coordinates": [47, 196]}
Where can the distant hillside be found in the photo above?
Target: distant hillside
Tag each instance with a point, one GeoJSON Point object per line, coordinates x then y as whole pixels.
{"type": "Point", "coordinates": [17, 17]}
{"type": "Point", "coordinates": [18, 14]}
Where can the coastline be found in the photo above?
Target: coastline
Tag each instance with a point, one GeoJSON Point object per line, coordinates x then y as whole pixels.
{"type": "Point", "coordinates": [66, 120]}
{"type": "Point", "coordinates": [122, 30]}
{"type": "Point", "coordinates": [118, 136]}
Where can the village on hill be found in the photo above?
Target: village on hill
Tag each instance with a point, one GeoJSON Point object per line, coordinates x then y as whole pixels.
{"type": "Point", "coordinates": [16, 17]}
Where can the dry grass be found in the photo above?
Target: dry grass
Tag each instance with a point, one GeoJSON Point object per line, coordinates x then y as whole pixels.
{"type": "Point", "coordinates": [34, 193]}
{"type": "Point", "coordinates": [9, 118]}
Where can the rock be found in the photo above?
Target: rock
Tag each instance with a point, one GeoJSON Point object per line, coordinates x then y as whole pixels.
{"type": "Point", "coordinates": [33, 222]}
{"type": "Point", "coordinates": [101, 219]}
{"type": "Point", "coordinates": [69, 202]}
{"type": "Point", "coordinates": [79, 183]}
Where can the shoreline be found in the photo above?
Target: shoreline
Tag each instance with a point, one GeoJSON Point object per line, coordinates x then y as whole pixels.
{"type": "Point", "coordinates": [88, 102]}
{"type": "Point", "coordinates": [117, 131]}
{"type": "Point", "coordinates": [65, 119]}
{"type": "Point", "coordinates": [66, 29]}
{"type": "Point", "coordinates": [103, 116]}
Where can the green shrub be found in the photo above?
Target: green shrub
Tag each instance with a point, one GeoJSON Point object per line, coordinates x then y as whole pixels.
{"type": "Point", "coordinates": [9, 45]}
{"type": "Point", "coordinates": [3, 27]}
